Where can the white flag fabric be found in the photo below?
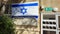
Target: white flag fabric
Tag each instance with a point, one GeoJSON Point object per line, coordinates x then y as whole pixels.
{"type": "Point", "coordinates": [25, 9]}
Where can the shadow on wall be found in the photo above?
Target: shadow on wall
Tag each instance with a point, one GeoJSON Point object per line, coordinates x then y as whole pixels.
{"type": "Point", "coordinates": [5, 5]}
{"type": "Point", "coordinates": [18, 1]}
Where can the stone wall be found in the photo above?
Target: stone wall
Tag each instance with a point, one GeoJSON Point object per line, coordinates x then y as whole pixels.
{"type": "Point", "coordinates": [51, 3]}
{"type": "Point", "coordinates": [25, 29]}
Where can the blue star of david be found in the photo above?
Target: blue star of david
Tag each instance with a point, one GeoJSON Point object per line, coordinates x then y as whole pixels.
{"type": "Point", "coordinates": [23, 10]}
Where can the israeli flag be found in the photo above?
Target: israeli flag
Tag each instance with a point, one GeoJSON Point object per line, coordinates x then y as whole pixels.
{"type": "Point", "coordinates": [25, 9]}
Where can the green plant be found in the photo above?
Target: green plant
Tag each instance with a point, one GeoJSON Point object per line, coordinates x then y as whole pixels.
{"type": "Point", "coordinates": [6, 25]}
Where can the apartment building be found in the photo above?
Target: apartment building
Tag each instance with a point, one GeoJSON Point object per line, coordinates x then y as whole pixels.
{"type": "Point", "coordinates": [55, 4]}
{"type": "Point", "coordinates": [50, 15]}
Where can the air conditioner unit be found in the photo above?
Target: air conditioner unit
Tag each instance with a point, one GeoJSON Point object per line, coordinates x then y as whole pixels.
{"type": "Point", "coordinates": [50, 23]}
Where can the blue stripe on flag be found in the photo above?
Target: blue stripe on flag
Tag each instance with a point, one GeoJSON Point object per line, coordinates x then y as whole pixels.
{"type": "Point", "coordinates": [24, 16]}
{"type": "Point", "coordinates": [29, 4]}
